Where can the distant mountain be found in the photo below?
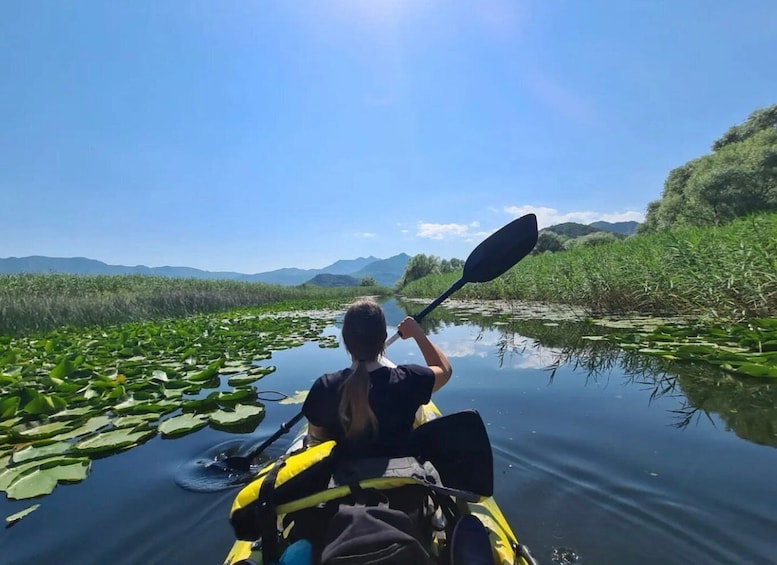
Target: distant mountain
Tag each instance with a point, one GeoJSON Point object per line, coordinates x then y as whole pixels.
{"type": "Point", "coordinates": [385, 271]}
{"type": "Point", "coordinates": [292, 276]}
{"type": "Point", "coordinates": [84, 266]}
{"type": "Point", "coordinates": [627, 228]}
{"type": "Point", "coordinates": [325, 279]}
{"type": "Point", "coordinates": [572, 229]}
{"type": "Point", "coordinates": [348, 266]}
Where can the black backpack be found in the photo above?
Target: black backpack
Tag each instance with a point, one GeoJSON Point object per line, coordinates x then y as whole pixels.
{"type": "Point", "coordinates": [373, 535]}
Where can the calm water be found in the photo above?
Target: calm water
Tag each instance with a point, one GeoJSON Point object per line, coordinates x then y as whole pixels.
{"type": "Point", "coordinates": [624, 464]}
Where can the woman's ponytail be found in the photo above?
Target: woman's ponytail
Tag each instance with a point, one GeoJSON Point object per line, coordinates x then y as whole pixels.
{"type": "Point", "coordinates": [364, 334]}
{"type": "Point", "coordinates": [356, 415]}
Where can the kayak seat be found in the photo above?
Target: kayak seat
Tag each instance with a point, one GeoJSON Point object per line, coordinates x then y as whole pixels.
{"type": "Point", "coordinates": [470, 544]}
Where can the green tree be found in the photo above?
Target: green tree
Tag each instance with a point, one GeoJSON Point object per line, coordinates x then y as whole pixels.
{"type": "Point", "coordinates": [738, 178]}
{"type": "Point", "coordinates": [548, 241]}
{"type": "Point", "coordinates": [597, 238]}
{"type": "Point", "coordinates": [418, 267]}
{"type": "Point", "coordinates": [451, 265]}
{"type": "Point", "coordinates": [368, 281]}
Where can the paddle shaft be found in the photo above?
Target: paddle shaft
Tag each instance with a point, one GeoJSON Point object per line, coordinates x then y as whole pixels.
{"type": "Point", "coordinates": [422, 314]}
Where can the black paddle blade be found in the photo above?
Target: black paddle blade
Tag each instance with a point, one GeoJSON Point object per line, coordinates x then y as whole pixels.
{"type": "Point", "coordinates": [458, 446]}
{"type": "Point", "coordinates": [501, 250]}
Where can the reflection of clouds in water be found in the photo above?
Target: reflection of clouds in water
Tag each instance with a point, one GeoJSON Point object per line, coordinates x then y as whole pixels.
{"type": "Point", "coordinates": [462, 348]}
{"type": "Point", "coordinates": [531, 355]}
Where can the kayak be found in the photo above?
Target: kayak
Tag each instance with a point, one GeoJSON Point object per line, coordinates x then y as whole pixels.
{"type": "Point", "coordinates": [292, 497]}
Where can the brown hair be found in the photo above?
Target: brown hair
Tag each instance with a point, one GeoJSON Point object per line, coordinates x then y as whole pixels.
{"type": "Point", "coordinates": [364, 334]}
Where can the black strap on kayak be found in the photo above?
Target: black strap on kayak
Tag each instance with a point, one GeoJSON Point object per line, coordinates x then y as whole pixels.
{"type": "Point", "coordinates": [268, 520]}
{"type": "Point", "coordinates": [259, 518]}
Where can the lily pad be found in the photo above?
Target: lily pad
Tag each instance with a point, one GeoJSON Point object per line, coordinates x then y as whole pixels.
{"type": "Point", "coordinates": [239, 380]}
{"type": "Point", "coordinates": [181, 425]}
{"type": "Point", "coordinates": [298, 397]}
{"type": "Point", "coordinates": [10, 474]}
{"type": "Point", "coordinates": [43, 431]}
{"type": "Point", "coordinates": [33, 452]}
{"type": "Point", "coordinates": [112, 441]}
{"type": "Point", "coordinates": [133, 421]}
{"type": "Point", "coordinates": [71, 413]}
{"type": "Point", "coordinates": [242, 414]}
{"type": "Point", "coordinates": [44, 479]}
{"type": "Point", "coordinates": [13, 518]}
{"type": "Point", "coordinates": [89, 427]}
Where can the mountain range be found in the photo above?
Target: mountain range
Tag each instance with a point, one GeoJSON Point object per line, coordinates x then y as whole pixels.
{"type": "Point", "coordinates": [386, 272]}
{"type": "Point", "coordinates": [345, 272]}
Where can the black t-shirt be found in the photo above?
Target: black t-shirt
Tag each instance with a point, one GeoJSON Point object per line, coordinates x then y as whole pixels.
{"type": "Point", "coordinates": [395, 395]}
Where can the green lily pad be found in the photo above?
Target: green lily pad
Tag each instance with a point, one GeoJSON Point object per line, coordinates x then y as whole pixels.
{"type": "Point", "coordinates": [181, 425]}
{"type": "Point", "coordinates": [10, 474]}
{"type": "Point", "coordinates": [89, 427]}
{"type": "Point", "coordinates": [133, 421]}
{"type": "Point", "coordinates": [45, 478]}
{"type": "Point", "coordinates": [209, 373]}
{"type": "Point", "coordinates": [13, 518]}
{"type": "Point", "coordinates": [240, 380]}
{"type": "Point", "coordinates": [243, 414]}
{"type": "Point", "coordinates": [752, 370]}
{"type": "Point", "coordinates": [42, 431]}
{"type": "Point", "coordinates": [298, 397]}
{"type": "Point", "coordinates": [9, 423]}
{"type": "Point", "coordinates": [113, 441]}
{"type": "Point", "coordinates": [33, 452]}
{"type": "Point", "coordinates": [71, 413]}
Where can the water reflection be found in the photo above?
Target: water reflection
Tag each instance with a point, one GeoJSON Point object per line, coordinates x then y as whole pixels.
{"type": "Point", "coordinates": [748, 407]}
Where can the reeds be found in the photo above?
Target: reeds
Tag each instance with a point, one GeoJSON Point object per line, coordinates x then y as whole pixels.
{"type": "Point", "coordinates": [726, 272]}
{"type": "Point", "coordinates": [39, 302]}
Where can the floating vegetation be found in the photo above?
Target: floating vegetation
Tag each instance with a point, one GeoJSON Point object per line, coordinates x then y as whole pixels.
{"type": "Point", "coordinates": [744, 350]}
{"type": "Point", "coordinates": [14, 518]}
{"type": "Point", "coordinates": [298, 397]}
{"type": "Point", "coordinates": [72, 395]}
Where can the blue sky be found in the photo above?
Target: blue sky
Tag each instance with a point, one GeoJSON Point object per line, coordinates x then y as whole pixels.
{"type": "Point", "coordinates": [248, 136]}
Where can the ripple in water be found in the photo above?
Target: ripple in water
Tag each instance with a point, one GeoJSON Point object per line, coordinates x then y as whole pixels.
{"type": "Point", "coordinates": [208, 474]}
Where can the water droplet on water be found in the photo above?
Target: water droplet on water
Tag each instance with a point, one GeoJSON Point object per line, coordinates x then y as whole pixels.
{"type": "Point", "coordinates": [564, 556]}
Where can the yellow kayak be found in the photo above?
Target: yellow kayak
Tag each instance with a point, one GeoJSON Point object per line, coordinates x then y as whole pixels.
{"type": "Point", "coordinates": [292, 498]}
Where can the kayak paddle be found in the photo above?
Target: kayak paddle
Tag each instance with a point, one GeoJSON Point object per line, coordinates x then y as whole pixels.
{"type": "Point", "coordinates": [493, 257]}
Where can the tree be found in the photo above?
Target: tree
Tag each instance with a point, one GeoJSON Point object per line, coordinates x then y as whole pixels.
{"type": "Point", "coordinates": [592, 239]}
{"type": "Point", "coordinates": [368, 281]}
{"type": "Point", "coordinates": [451, 265]}
{"type": "Point", "coordinates": [738, 178]}
{"type": "Point", "coordinates": [418, 267]}
{"type": "Point", "coordinates": [548, 241]}
{"type": "Point", "coordinates": [760, 120]}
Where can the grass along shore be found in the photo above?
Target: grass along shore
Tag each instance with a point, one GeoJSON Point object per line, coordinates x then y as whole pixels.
{"type": "Point", "coordinates": [727, 272]}
{"type": "Point", "coordinates": [31, 303]}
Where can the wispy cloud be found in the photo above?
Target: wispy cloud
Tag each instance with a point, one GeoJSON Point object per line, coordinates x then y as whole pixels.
{"type": "Point", "coordinates": [550, 216]}
{"type": "Point", "coordinates": [364, 234]}
{"type": "Point", "coordinates": [442, 231]}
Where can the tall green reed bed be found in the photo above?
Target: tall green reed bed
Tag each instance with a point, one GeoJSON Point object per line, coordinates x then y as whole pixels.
{"type": "Point", "coordinates": [39, 302]}
{"type": "Point", "coordinates": [727, 272]}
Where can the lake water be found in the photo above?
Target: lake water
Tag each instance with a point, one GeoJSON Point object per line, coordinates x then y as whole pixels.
{"type": "Point", "coordinates": [612, 456]}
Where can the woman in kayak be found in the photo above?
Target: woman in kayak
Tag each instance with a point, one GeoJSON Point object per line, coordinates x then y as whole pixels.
{"type": "Point", "coordinates": [370, 407]}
